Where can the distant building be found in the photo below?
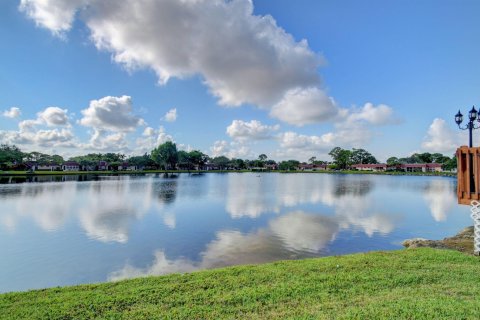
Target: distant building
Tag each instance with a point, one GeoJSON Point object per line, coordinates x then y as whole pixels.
{"type": "Point", "coordinates": [126, 166]}
{"type": "Point", "coordinates": [370, 167]}
{"type": "Point", "coordinates": [103, 165]}
{"type": "Point", "coordinates": [71, 166]}
{"type": "Point", "coordinates": [311, 167]}
{"type": "Point", "coordinates": [52, 166]}
{"type": "Point", "coordinates": [421, 167]}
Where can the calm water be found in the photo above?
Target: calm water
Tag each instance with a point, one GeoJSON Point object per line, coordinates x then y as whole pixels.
{"type": "Point", "coordinates": [86, 230]}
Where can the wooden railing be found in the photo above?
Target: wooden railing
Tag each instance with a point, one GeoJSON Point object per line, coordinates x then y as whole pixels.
{"type": "Point", "coordinates": [468, 174]}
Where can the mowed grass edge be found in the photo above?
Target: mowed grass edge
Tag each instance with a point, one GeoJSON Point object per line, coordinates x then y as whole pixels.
{"type": "Point", "coordinates": [406, 284]}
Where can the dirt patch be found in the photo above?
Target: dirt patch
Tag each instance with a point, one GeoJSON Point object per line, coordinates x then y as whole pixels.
{"type": "Point", "coordinates": [462, 241]}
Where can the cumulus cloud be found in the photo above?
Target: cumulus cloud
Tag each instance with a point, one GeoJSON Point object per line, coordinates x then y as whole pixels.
{"type": "Point", "coordinates": [253, 130]}
{"type": "Point", "coordinates": [57, 16]}
{"type": "Point", "coordinates": [151, 138]}
{"type": "Point", "coordinates": [171, 115]}
{"type": "Point", "coordinates": [371, 114]}
{"type": "Point", "coordinates": [441, 138]}
{"type": "Point", "coordinates": [34, 131]}
{"type": "Point", "coordinates": [262, 61]}
{"type": "Point", "coordinates": [54, 116]}
{"type": "Point", "coordinates": [12, 113]}
{"type": "Point", "coordinates": [305, 106]}
{"type": "Point", "coordinates": [111, 113]}
{"type": "Point", "coordinates": [101, 140]}
{"type": "Point", "coordinates": [230, 149]}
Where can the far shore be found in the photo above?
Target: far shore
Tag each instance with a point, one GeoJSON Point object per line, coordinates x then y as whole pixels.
{"type": "Point", "coordinates": [61, 173]}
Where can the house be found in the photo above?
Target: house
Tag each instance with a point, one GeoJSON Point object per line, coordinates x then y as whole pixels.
{"type": "Point", "coordinates": [311, 167]}
{"type": "Point", "coordinates": [272, 166]}
{"type": "Point", "coordinates": [51, 166]}
{"type": "Point", "coordinates": [103, 165]}
{"type": "Point", "coordinates": [421, 167]}
{"type": "Point", "coordinates": [370, 167]}
{"type": "Point", "coordinates": [31, 165]}
{"type": "Point", "coordinates": [70, 166]}
{"type": "Point", "coordinates": [210, 166]}
{"type": "Point", "coordinates": [126, 166]}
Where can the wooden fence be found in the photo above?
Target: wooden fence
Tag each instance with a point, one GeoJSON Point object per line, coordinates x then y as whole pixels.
{"type": "Point", "coordinates": [468, 174]}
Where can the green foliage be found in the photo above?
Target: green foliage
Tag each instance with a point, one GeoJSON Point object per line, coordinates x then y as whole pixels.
{"type": "Point", "coordinates": [362, 156]}
{"type": "Point", "coordinates": [221, 162]}
{"type": "Point", "coordinates": [393, 161]}
{"type": "Point", "coordinates": [238, 164]}
{"type": "Point", "coordinates": [450, 164]}
{"type": "Point", "coordinates": [341, 157]}
{"type": "Point", "coordinates": [288, 165]}
{"type": "Point", "coordinates": [166, 155]}
{"type": "Point", "coordinates": [141, 161]}
{"type": "Point", "coordinates": [405, 284]}
{"type": "Point", "coordinates": [10, 154]}
{"type": "Point", "coordinates": [262, 157]}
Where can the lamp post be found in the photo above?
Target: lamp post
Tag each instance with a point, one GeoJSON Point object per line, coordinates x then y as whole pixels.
{"type": "Point", "coordinates": [472, 116]}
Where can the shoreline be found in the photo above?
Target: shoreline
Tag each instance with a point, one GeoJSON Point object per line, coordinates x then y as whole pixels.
{"type": "Point", "coordinates": [65, 173]}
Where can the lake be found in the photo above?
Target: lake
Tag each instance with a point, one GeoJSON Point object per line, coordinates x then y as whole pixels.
{"type": "Point", "coordinates": [67, 230]}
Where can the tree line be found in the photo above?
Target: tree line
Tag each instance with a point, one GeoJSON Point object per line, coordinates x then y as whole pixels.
{"type": "Point", "coordinates": [167, 157]}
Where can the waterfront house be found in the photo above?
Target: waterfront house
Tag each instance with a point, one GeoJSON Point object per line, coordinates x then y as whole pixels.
{"type": "Point", "coordinates": [103, 165]}
{"type": "Point", "coordinates": [421, 167]}
{"type": "Point", "coordinates": [31, 165]}
{"type": "Point", "coordinates": [71, 166]}
{"type": "Point", "coordinates": [126, 166]}
{"type": "Point", "coordinates": [311, 167]}
{"type": "Point", "coordinates": [51, 166]}
{"type": "Point", "coordinates": [376, 167]}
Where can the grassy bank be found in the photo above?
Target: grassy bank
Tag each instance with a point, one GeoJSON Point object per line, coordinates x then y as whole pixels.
{"type": "Point", "coordinates": [405, 284]}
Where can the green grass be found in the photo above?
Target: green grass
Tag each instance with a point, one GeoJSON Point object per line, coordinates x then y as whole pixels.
{"type": "Point", "coordinates": [407, 284]}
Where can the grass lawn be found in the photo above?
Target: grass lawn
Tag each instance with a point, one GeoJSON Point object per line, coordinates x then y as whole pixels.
{"type": "Point", "coordinates": [406, 284]}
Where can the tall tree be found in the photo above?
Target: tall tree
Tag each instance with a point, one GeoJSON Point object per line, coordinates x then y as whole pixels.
{"type": "Point", "coordinates": [262, 157]}
{"type": "Point", "coordinates": [312, 160]}
{"type": "Point", "coordinates": [341, 157]}
{"type": "Point", "coordinates": [166, 155]}
{"type": "Point", "coordinates": [222, 162]}
{"type": "Point", "coordinates": [393, 161]}
{"type": "Point", "coordinates": [362, 156]}
{"type": "Point", "coordinates": [10, 154]}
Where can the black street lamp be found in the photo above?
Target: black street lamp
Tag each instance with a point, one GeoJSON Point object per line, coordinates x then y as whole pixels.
{"type": "Point", "coordinates": [472, 116]}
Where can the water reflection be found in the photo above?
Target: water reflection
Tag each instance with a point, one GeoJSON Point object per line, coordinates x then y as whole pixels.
{"type": "Point", "coordinates": [440, 198]}
{"type": "Point", "coordinates": [152, 224]}
{"type": "Point", "coordinates": [293, 235]}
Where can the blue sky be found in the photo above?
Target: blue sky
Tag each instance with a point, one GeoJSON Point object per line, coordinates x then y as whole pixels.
{"type": "Point", "coordinates": [291, 79]}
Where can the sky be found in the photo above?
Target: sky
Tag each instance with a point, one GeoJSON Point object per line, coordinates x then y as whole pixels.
{"type": "Point", "coordinates": [290, 79]}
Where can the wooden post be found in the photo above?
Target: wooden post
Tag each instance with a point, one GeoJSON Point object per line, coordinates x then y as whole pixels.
{"type": "Point", "coordinates": [468, 174]}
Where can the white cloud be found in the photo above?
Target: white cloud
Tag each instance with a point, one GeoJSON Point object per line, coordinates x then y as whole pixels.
{"type": "Point", "coordinates": [374, 115]}
{"type": "Point", "coordinates": [253, 130]}
{"type": "Point", "coordinates": [57, 16]}
{"type": "Point", "coordinates": [12, 113]}
{"type": "Point", "coordinates": [151, 138]}
{"type": "Point", "coordinates": [30, 131]}
{"type": "Point", "coordinates": [305, 106]}
{"type": "Point", "coordinates": [230, 149]}
{"type": "Point", "coordinates": [54, 116]}
{"type": "Point", "coordinates": [243, 58]}
{"type": "Point", "coordinates": [104, 141]}
{"type": "Point", "coordinates": [441, 138]}
{"type": "Point", "coordinates": [171, 115]}
{"type": "Point", "coordinates": [111, 113]}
